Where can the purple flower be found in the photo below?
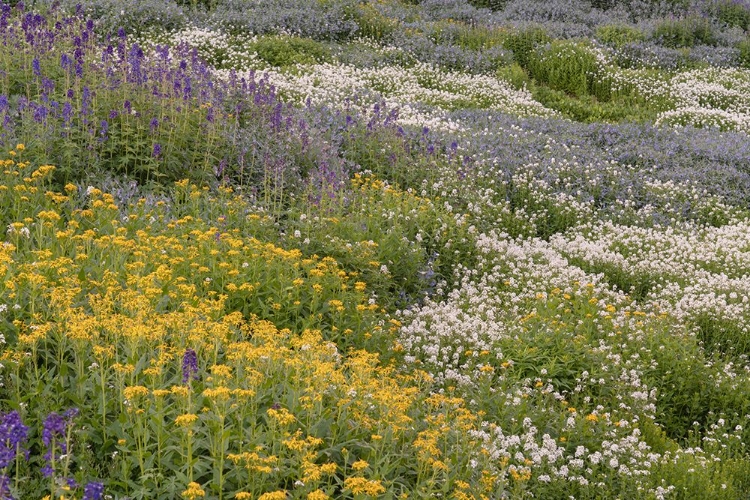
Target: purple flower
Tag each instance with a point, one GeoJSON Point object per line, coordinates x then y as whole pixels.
{"type": "Point", "coordinates": [93, 491]}
{"type": "Point", "coordinates": [5, 488]}
{"type": "Point", "coordinates": [189, 366]}
{"type": "Point", "coordinates": [36, 67]}
{"type": "Point", "coordinates": [86, 101]}
{"type": "Point", "coordinates": [12, 434]}
{"type": "Point", "coordinates": [54, 425]}
{"type": "Point", "coordinates": [154, 124]}
{"type": "Point", "coordinates": [67, 112]}
{"type": "Point", "coordinates": [156, 153]}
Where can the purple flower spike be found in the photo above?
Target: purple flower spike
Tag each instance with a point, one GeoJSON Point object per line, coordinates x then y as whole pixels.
{"type": "Point", "coordinates": [5, 488]}
{"type": "Point", "coordinates": [54, 425]}
{"type": "Point", "coordinates": [189, 366]}
{"type": "Point", "coordinates": [71, 413]}
{"type": "Point", "coordinates": [93, 491]}
{"type": "Point", "coordinates": [12, 434]}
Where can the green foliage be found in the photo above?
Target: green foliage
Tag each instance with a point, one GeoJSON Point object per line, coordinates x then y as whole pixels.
{"type": "Point", "coordinates": [618, 35]}
{"type": "Point", "coordinates": [493, 5]}
{"type": "Point", "coordinates": [569, 66]}
{"type": "Point", "coordinates": [588, 109]}
{"type": "Point", "coordinates": [370, 21]}
{"type": "Point", "coordinates": [287, 51]}
{"type": "Point", "coordinates": [744, 48]}
{"type": "Point", "coordinates": [515, 75]}
{"type": "Point", "coordinates": [198, 4]}
{"type": "Point", "coordinates": [684, 32]}
{"type": "Point", "coordinates": [466, 36]}
{"type": "Point", "coordinates": [733, 14]}
{"type": "Point", "coordinates": [394, 240]}
{"type": "Point", "coordinates": [523, 42]}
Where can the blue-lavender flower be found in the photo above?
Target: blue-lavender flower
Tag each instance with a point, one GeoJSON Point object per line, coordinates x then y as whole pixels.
{"type": "Point", "coordinates": [93, 491]}
{"type": "Point", "coordinates": [189, 366]}
{"type": "Point", "coordinates": [13, 433]}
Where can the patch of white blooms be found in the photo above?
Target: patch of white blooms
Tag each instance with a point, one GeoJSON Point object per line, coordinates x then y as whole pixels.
{"type": "Point", "coordinates": [699, 275]}
{"type": "Point", "coordinates": [402, 88]}
{"type": "Point", "coordinates": [711, 97]}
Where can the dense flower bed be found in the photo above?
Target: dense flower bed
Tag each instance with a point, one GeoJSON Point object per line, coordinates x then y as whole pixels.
{"type": "Point", "coordinates": [343, 249]}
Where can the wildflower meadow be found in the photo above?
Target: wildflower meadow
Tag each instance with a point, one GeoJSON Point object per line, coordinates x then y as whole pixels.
{"type": "Point", "coordinates": [353, 249]}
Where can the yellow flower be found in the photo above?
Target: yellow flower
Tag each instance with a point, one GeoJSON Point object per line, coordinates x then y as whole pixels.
{"type": "Point", "coordinates": [179, 390]}
{"type": "Point", "coordinates": [281, 416]}
{"type": "Point", "coordinates": [186, 420]}
{"type": "Point", "coordinates": [329, 469]}
{"type": "Point", "coordinates": [317, 495]}
{"type": "Point", "coordinates": [193, 491]}
{"type": "Point", "coordinates": [274, 495]}
{"type": "Point", "coordinates": [20, 147]}
{"type": "Point", "coordinates": [359, 485]}
{"type": "Point", "coordinates": [135, 392]}
{"type": "Point", "coordinates": [592, 418]}
{"type": "Point", "coordinates": [217, 394]}
{"type": "Point", "coordinates": [243, 495]}
{"type": "Point", "coordinates": [359, 465]}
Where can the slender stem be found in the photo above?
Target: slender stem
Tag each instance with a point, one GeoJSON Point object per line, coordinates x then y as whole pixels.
{"type": "Point", "coordinates": [190, 454]}
{"type": "Point", "coordinates": [104, 403]}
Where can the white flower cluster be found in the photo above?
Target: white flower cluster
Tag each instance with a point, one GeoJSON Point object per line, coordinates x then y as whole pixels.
{"type": "Point", "coordinates": [696, 274]}
{"type": "Point", "coordinates": [712, 97]}
{"type": "Point", "coordinates": [405, 88]}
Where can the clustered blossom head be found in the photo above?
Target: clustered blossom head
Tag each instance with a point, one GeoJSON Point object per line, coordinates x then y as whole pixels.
{"type": "Point", "coordinates": [54, 434]}
{"type": "Point", "coordinates": [93, 491]}
{"type": "Point", "coordinates": [189, 366]}
{"type": "Point", "coordinates": [13, 434]}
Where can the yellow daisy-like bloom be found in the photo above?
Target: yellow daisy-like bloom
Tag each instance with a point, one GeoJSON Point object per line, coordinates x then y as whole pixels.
{"type": "Point", "coordinates": [274, 495]}
{"type": "Point", "coordinates": [186, 420]}
{"type": "Point", "coordinates": [135, 392]}
{"type": "Point", "coordinates": [281, 416]}
{"type": "Point", "coordinates": [243, 495]}
{"type": "Point", "coordinates": [317, 495]}
{"type": "Point", "coordinates": [359, 465]}
{"type": "Point", "coordinates": [359, 485]}
{"type": "Point", "coordinates": [329, 469]}
{"type": "Point", "coordinates": [193, 491]}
